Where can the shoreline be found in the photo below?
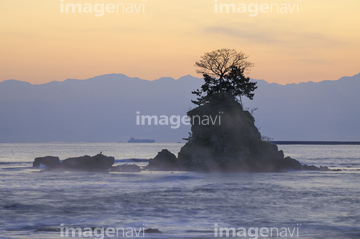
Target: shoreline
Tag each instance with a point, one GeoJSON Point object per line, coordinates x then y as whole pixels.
{"type": "Point", "coordinates": [316, 142]}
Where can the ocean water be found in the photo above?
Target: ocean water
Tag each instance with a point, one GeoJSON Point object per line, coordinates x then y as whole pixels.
{"type": "Point", "coordinates": [309, 204]}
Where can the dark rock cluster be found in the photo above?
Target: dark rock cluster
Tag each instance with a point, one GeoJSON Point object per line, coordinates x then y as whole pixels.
{"type": "Point", "coordinates": [223, 138]}
{"type": "Point", "coordinates": [48, 162]}
{"type": "Point", "coordinates": [165, 160]}
{"type": "Point", "coordinates": [97, 163]}
{"type": "Point", "coordinates": [231, 144]}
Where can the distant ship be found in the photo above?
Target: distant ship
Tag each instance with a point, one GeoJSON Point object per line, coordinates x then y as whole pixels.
{"type": "Point", "coordinates": [133, 140]}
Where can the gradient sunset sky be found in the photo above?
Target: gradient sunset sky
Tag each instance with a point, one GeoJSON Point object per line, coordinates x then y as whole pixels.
{"type": "Point", "coordinates": [40, 44]}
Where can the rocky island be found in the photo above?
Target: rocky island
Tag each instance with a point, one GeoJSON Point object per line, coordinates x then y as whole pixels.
{"type": "Point", "coordinates": [232, 143]}
{"type": "Point", "coordinates": [235, 145]}
{"type": "Point", "coordinates": [223, 135]}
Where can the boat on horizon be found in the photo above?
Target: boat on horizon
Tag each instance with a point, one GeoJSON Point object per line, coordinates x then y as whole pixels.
{"type": "Point", "coordinates": [133, 140]}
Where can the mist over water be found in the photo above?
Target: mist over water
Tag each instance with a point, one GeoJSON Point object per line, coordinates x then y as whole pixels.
{"type": "Point", "coordinates": [179, 204]}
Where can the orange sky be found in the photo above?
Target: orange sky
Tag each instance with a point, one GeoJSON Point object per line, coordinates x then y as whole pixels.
{"type": "Point", "coordinates": [40, 44]}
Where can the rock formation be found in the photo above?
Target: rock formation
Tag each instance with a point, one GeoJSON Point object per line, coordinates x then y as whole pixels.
{"type": "Point", "coordinates": [97, 163]}
{"type": "Point", "coordinates": [233, 144]}
{"type": "Point", "coordinates": [48, 162]}
{"type": "Point", "coordinates": [164, 161]}
{"type": "Point", "coordinates": [224, 138]}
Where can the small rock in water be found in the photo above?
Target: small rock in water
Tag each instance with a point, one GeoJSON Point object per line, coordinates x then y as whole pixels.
{"type": "Point", "coordinates": [48, 161]}
{"type": "Point", "coordinates": [97, 163]}
{"type": "Point", "coordinates": [130, 168]}
{"type": "Point", "coordinates": [151, 230]}
{"type": "Point", "coordinates": [314, 168]}
{"type": "Point", "coordinates": [164, 161]}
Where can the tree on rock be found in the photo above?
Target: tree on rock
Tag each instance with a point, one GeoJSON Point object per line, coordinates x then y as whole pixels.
{"type": "Point", "coordinates": [223, 71]}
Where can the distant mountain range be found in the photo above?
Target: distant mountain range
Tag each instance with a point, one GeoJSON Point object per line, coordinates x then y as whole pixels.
{"type": "Point", "coordinates": [105, 109]}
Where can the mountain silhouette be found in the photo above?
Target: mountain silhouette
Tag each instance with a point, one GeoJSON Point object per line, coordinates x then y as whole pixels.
{"type": "Point", "coordinates": [104, 109]}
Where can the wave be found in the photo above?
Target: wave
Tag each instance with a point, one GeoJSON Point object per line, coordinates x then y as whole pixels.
{"type": "Point", "coordinates": [175, 177]}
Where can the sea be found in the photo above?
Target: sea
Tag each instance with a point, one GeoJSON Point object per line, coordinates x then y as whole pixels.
{"type": "Point", "coordinates": [293, 204]}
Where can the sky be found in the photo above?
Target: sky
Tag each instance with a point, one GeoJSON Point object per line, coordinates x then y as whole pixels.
{"type": "Point", "coordinates": [307, 41]}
